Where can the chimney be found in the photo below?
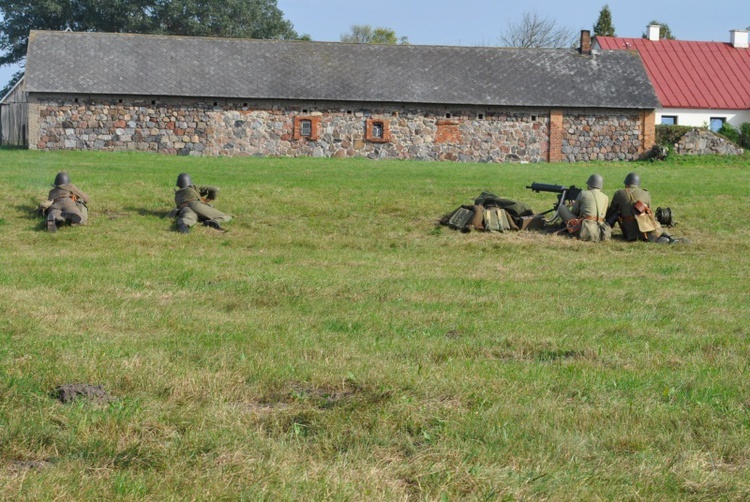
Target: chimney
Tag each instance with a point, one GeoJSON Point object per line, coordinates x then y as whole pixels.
{"type": "Point", "coordinates": [738, 39]}
{"type": "Point", "coordinates": [586, 42]}
{"type": "Point", "coordinates": [653, 32]}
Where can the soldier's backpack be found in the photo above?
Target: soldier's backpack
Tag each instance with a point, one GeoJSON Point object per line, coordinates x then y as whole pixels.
{"type": "Point", "coordinates": [465, 218]}
{"type": "Point", "coordinates": [498, 220]}
{"type": "Point", "coordinates": [461, 218]}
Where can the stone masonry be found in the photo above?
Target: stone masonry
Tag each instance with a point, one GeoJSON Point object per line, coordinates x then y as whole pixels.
{"type": "Point", "coordinates": [241, 128]}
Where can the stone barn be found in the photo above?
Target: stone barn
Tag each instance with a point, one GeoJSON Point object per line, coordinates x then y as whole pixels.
{"type": "Point", "coordinates": [238, 97]}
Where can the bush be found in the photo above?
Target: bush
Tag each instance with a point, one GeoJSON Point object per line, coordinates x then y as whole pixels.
{"type": "Point", "coordinates": [668, 135]}
{"type": "Point", "coordinates": [730, 132]}
{"type": "Point", "coordinates": [745, 135]}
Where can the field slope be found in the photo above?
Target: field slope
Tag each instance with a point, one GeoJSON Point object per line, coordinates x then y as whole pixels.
{"type": "Point", "coordinates": [336, 343]}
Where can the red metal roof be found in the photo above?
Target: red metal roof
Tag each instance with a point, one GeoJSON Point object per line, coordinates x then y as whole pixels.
{"type": "Point", "coordinates": [710, 75]}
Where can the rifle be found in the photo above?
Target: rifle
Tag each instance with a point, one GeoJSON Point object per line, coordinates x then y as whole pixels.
{"type": "Point", "coordinates": [565, 194]}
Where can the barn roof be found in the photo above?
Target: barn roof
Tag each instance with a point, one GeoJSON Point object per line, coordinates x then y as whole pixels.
{"type": "Point", "coordinates": [685, 74]}
{"type": "Point", "coordinates": [125, 64]}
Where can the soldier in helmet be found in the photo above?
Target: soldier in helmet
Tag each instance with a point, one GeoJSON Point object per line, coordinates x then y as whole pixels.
{"type": "Point", "coordinates": [585, 218]}
{"type": "Point", "coordinates": [630, 202]}
{"type": "Point", "coordinates": [68, 204]}
{"type": "Point", "coordinates": [193, 205]}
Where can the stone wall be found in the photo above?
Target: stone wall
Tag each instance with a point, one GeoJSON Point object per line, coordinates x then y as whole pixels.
{"type": "Point", "coordinates": [596, 136]}
{"type": "Point", "coordinates": [267, 128]}
{"type": "Point", "coordinates": [704, 142]}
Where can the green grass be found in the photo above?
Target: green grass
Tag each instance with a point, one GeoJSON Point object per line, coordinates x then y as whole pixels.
{"type": "Point", "coordinates": [337, 344]}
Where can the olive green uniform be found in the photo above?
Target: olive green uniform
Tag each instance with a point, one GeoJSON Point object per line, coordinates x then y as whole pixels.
{"type": "Point", "coordinates": [192, 209]}
{"type": "Point", "coordinates": [68, 205]}
{"type": "Point", "coordinates": [623, 203]}
{"type": "Point", "coordinates": [590, 206]}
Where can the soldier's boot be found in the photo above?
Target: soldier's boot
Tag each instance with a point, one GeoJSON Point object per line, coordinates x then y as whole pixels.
{"type": "Point", "coordinates": [74, 219]}
{"type": "Point", "coordinates": [213, 224]}
{"type": "Point", "coordinates": [182, 227]}
{"type": "Point", "coordinates": [51, 226]}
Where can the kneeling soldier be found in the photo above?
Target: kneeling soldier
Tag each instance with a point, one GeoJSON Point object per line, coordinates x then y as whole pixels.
{"type": "Point", "coordinates": [585, 219]}
{"type": "Point", "coordinates": [631, 208]}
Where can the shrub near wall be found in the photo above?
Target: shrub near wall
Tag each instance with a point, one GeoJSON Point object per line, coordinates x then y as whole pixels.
{"type": "Point", "coordinates": [669, 135]}
{"type": "Point", "coordinates": [745, 135]}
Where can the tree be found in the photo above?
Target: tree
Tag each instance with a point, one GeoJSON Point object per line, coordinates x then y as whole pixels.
{"type": "Point", "coordinates": [604, 26]}
{"type": "Point", "coordinates": [534, 31]}
{"type": "Point", "coordinates": [365, 34]}
{"type": "Point", "coordinates": [664, 32]}
{"type": "Point", "coordinates": [228, 18]}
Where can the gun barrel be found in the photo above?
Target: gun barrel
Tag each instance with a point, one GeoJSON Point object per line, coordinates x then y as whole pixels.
{"type": "Point", "coordinates": [546, 187]}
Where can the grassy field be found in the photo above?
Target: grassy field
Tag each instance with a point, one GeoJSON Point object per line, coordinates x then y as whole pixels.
{"type": "Point", "coordinates": [336, 343]}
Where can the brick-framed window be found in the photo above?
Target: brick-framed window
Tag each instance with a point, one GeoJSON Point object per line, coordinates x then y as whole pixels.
{"type": "Point", "coordinates": [377, 131]}
{"type": "Point", "coordinates": [307, 126]}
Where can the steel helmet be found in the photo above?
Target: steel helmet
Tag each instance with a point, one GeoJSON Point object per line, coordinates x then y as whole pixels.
{"type": "Point", "coordinates": [595, 181]}
{"type": "Point", "coordinates": [62, 178]}
{"type": "Point", "coordinates": [632, 179]}
{"type": "Point", "coordinates": [183, 180]}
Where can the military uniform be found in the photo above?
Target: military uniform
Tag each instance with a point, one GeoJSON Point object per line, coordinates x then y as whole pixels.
{"type": "Point", "coordinates": [191, 208]}
{"type": "Point", "coordinates": [623, 203]}
{"type": "Point", "coordinates": [585, 219]}
{"type": "Point", "coordinates": [623, 210]}
{"type": "Point", "coordinates": [68, 206]}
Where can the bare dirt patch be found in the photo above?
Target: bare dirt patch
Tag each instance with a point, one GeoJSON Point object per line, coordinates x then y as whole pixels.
{"type": "Point", "coordinates": [67, 393]}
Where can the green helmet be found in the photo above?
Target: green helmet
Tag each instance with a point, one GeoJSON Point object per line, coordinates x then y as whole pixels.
{"type": "Point", "coordinates": [632, 179]}
{"type": "Point", "coordinates": [595, 181]}
{"type": "Point", "coordinates": [183, 180]}
{"type": "Point", "coordinates": [62, 178]}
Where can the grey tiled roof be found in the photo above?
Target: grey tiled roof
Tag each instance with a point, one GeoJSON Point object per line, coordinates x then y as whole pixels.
{"type": "Point", "coordinates": [123, 64]}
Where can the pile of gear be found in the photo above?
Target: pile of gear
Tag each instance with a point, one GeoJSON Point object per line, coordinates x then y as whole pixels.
{"type": "Point", "coordinates": [491, 213]}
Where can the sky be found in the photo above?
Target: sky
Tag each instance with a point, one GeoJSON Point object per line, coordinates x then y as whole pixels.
{"type": "Point", "coordinates": [482, 22]}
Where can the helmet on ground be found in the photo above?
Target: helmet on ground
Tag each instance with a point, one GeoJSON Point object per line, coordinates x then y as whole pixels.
{"type": "Point", "coordinates": [664, 216]}
{"type": "Point", "coordinates": [595, 181]}
{"type": "Point", "coordinates": [632, 179]}
{"type": "Point", "coordinates": [62, 178]}
{"type": "Point", "coordinates": [183, 180]}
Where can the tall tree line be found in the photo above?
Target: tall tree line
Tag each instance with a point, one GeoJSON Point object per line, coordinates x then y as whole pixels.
{"type": "Point", "coordinates": [225, 18]}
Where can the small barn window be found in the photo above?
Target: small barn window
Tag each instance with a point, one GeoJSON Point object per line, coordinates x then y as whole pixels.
{"type": "Point", "coordinates": [377, 131]}
{"type": "Point", "coordinates": [480, 116]}
{"type": "Point", "coordinates": [153, 101]}
{"type": "Point", "coordinates": [304, 110]}
{"type": "Point", "coordinates": [534, 118]}
{"type": "Point", "coordinates": [447, 115]}
{"type": "Point", "coordinates": [307, 127]}
{"type": "Point", "coordinates": [75, 100]}
{"type": "Point", "coordinates": [119, 100]}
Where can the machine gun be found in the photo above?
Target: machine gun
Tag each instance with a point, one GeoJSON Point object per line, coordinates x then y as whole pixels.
{"type": "Point", "coordinates": [565, 194]}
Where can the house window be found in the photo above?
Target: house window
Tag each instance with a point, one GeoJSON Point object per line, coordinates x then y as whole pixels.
{"type": "Point", "coordinates": [377, 131]}
{"type": "Point", "coordinates": [716, 123]}
{"type": "Point", "coordinates": [669, 120]}
{"type": "Point", "coordinates": [307, 127]}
